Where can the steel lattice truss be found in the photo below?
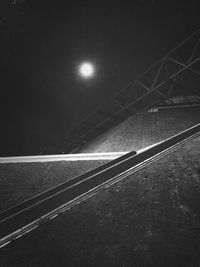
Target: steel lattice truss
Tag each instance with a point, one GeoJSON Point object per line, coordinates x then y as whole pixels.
{"type": "Point", "coordinates": [177, 73]}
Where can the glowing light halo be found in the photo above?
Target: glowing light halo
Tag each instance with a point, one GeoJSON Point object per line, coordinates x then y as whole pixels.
{"type": "Point", "coordinates": [86, 70]}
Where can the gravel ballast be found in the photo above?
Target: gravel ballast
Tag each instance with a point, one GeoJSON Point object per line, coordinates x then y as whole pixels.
{"type": "Point", "coordinates": [152, 218]}
{"type": "Point", "coordinates": [20, 181]}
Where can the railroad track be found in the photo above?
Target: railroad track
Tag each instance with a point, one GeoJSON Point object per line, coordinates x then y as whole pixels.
{"type": "Point", "coordinates": [63, 157]}
{"type": "Point", "coordinates": [28, 215]}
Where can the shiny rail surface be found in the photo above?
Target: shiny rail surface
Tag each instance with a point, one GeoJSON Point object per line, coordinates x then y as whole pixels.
{"type": "Point", "coordinates": [28, 215]}
{"type": "Point", "coordinates": [63, 157]}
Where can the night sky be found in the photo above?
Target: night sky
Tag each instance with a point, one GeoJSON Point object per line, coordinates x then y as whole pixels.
{"type": "Point", "coordinates": [42, 43]}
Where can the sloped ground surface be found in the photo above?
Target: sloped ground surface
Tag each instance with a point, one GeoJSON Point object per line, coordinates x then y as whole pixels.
{"type": "Point", "coordinates": [145, 129]}
{"type": "Point", "coordinates": [20, 181]}
{"type": "Point", "coordinates": [152, 218]}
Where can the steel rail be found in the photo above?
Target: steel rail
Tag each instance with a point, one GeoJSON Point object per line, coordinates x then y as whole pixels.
{"type": "Point", "coordinates": [63, 157]}
{"type": "Point", "coordinates": [115, 173]}
{"type": "Point", "coordinates": [50, 192]}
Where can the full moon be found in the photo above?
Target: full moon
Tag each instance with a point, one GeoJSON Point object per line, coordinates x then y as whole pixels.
{"type": "Point", "coordinates": [86, 70]}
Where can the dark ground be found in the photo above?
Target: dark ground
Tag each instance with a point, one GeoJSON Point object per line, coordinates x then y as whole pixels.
{"type": "Point", "coordinates": [20, 181]}
{"type": "Point", "coordinates": [152, 218]}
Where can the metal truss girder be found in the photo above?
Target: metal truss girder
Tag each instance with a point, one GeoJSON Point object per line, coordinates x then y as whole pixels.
{"type": "Point", "coordinates": [176, 61]}
{"type": "Point", "coordinates": [118, 102]}
{"type": "Point", "coordinates": [152, 82]}
{"type": "Point", "coordinates": [143, 85]}
{"type": "Point", "coordinates": [183, 65]}
{"type": "Point", "coordinates": [158, 73]}
{"type": "Point", "coordinates": [194, 51]}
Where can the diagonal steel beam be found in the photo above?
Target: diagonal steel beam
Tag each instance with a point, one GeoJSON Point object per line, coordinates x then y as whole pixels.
{"type": "Point", "coordinates": [158, 72]}
{"type": "Point", "coordinates": [149, 89]}
{"type": "Point", "coordinates": [194, 71]}
{"type": "Point", "coordinates": [137, 100]}
{"type": "Point", "coordinates": [194, 51]}
{"type": "Point", "coordinates": [176, 61]}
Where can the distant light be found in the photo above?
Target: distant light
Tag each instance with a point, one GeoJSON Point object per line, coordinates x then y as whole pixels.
{"type": "Point", "coordinates": [86, 70]}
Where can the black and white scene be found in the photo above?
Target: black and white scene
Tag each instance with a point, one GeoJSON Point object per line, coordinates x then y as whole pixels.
{"type": "Point", "coordinates": [100, 133]}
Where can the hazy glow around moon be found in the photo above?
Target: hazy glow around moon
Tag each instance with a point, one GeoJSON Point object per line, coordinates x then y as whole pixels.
{"type": "Point", "coordinates": [86, 69]}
